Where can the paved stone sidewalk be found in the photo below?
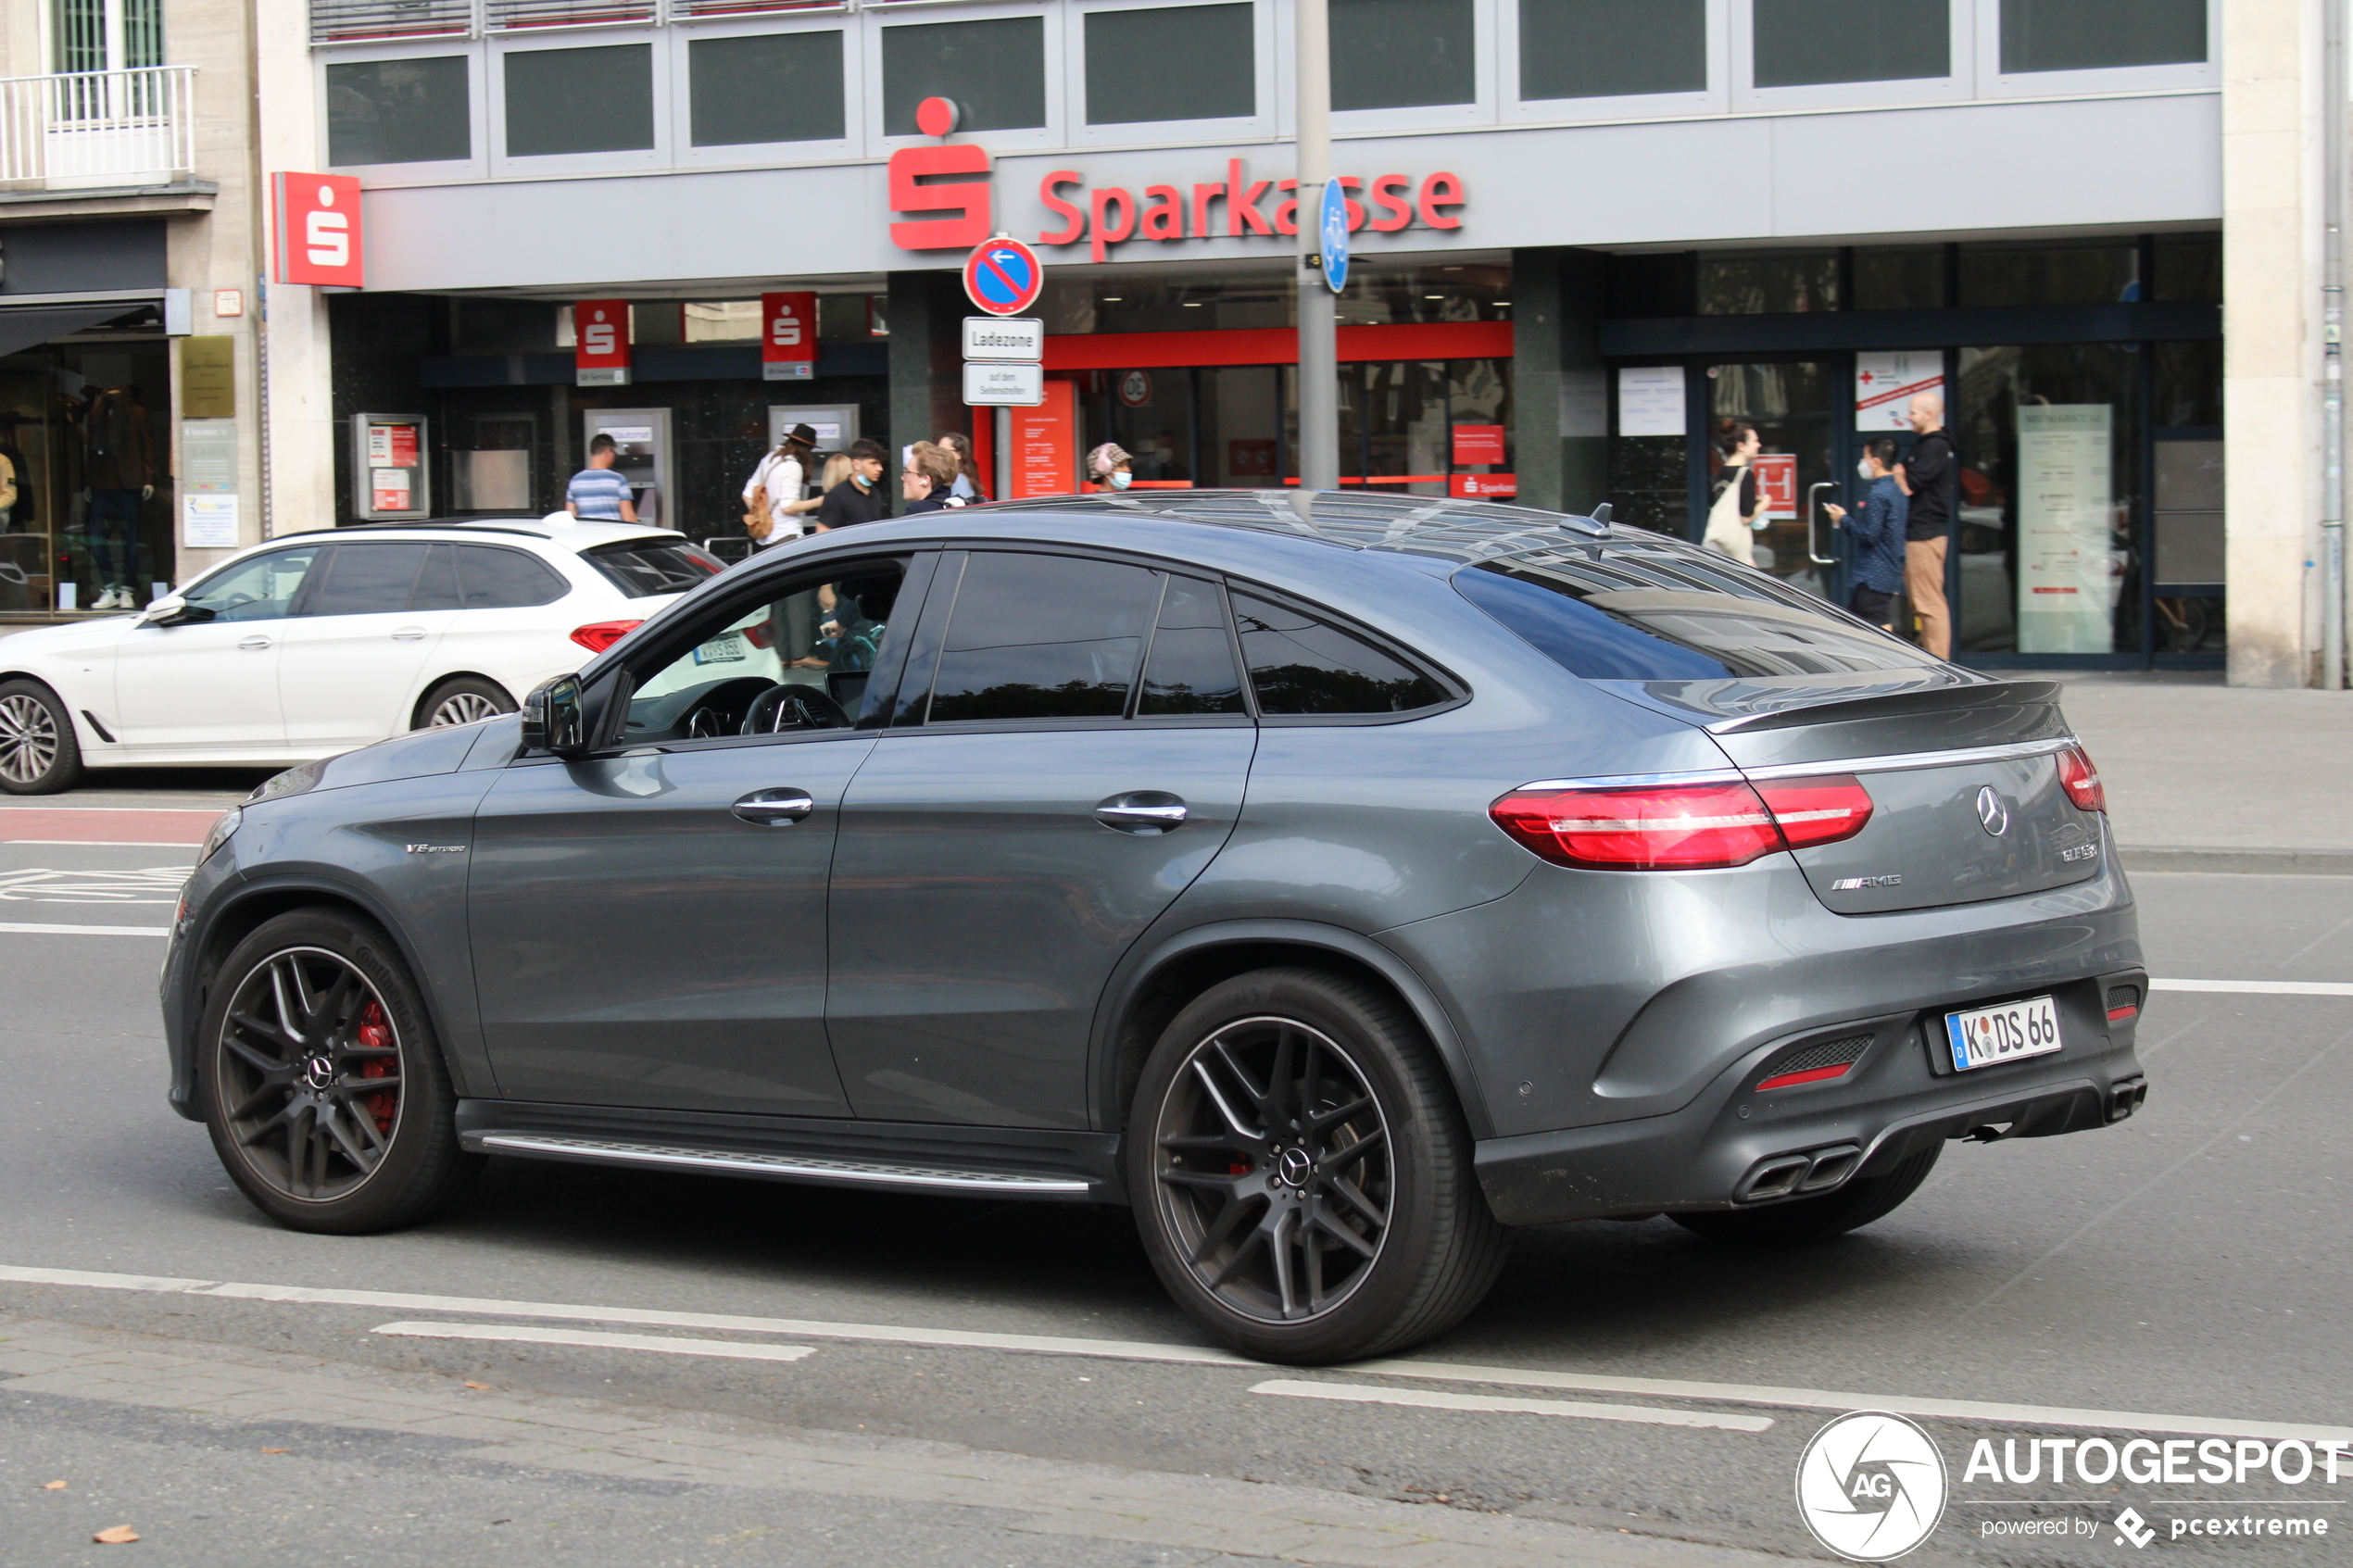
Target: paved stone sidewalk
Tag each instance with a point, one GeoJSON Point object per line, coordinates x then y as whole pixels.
{"type": "Point", "coordinates": [1036, 1497]}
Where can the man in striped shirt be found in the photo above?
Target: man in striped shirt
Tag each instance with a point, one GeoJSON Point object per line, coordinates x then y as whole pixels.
{"type": "Point", "coordinates": [597, 491]}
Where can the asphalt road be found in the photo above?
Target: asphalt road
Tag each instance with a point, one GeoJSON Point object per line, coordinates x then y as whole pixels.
{"type": "Point", "coordinates": [2191, 1264]}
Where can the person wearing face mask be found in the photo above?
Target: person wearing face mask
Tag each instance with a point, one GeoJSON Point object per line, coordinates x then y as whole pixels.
{"type": "Point", "coordinates": [1878, 533]}
{"type": "Point", "coordinates": [859, 497]}
{"type": "Point", "coordinates": [1110, 467]}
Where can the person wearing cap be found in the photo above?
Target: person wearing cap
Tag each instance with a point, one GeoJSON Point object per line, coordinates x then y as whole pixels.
{"type": "Point", "coordinates": [781, 481]}
{"type": "Point", "coordinates": [1110, 467]}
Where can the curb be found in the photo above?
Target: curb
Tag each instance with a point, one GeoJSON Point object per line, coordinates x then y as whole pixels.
{"type": "Point", "coordinates": [2249, 862]}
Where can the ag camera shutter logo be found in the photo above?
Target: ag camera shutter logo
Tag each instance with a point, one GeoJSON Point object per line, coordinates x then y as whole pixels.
{"type": "Point", "coordinates": [1871, 1487]}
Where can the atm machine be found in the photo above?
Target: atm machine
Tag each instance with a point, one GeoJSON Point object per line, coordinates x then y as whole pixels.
{"type": "Point", "coordinates": [641, 439]}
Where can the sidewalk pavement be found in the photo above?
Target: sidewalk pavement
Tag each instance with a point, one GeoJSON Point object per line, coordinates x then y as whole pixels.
{"type": "Point", "coordinates": [2204, 777]}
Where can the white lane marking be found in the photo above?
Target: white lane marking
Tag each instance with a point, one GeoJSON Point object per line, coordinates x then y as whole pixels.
{"type": "Point", "coordinates": [1439, 1399]}
{"type": "Point", "coordinates": [2259, 987]}
{"type": "Point", "coordinates": [517, 1334]}
{"type": "Point", "coordinates": [27, 929]}
{"type": "Point", "coordinates": [1119, 1349]}
{"type": "Point", "coordinates": [1832, 1399]}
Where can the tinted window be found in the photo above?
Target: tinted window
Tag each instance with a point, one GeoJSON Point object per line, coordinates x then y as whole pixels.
{"type": "Point", "coordinates": [368, 580]}
{"type": "Point", "coordinates": [766, 87]}
{"type": "Point", "coordinates": [1042, 638]}
{"type": "Point", "coordinates": [995, 70]}
{"type": "Point", "coordinates": [1394, 54]}
{"type": "Point", "coordinates": [593, 100]}
{"type": "Point", "coordinates": [437, 583]}
{"type": "Point", "coordinates": [652, 567]}
{"type": "Point", "coordinates": [490, 578]}
{"type": "Point", "coordinates": [398, 111]}
{"type": "Point", "coordinates": [259, 589]}
{"type": "Point", "coordinates": [1302, 665]}
{"type": "Point", "coordinates": [1203, 57]}
{"type": "Point", "coordinates": [1595, 619]}
{"type": "Point", "coordinates": [1600, 48]}
{"type": "Point", "coordinates": [1800, 43]}
{"type": "Point", "coordinates": [1190, 669]}
{"type": "Point", "coordinates": [2088, 34]}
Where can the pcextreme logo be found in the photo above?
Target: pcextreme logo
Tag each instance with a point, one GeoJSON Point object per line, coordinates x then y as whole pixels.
{"type": "Point", "coordinates": [1871, 1487]}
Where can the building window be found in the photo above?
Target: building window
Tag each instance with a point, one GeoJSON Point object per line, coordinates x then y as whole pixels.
{"type": "Point", "coordinates": [2052, 273]}
{"type": "Point", "coordinates": [108, 34]}
{"type": "Point", "coordinates": [2186, 266]}
{"type": "Point", "coordinates": [1403, 53]}
{"type": "Point", "coordinates": [1810, 43]}
{"type": "Point", "coordinates": [994, 72]}
{"type": "Point", "coordinates": [593, 100]}
{"type": "Point", "coordinates": [1899, 278]}
{"type": "Point", "coordinates": [2100, 35]}
{"type": "Point", "coordinates": [1769, 282]}
{"type": "Point", "coordinates": [1173, 62]}
{"type": "Point", "coordinates": [1607, 48]}
{"type": "Point", "coordinates": [400, 111]}
{"type": "Point", "coordinates": [766, 87]}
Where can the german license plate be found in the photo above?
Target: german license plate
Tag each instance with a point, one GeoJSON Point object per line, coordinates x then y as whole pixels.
{"type": "Point", "coordinates": [1987, 1036]}
{"type": "Point", "coordinates": [725, 650]}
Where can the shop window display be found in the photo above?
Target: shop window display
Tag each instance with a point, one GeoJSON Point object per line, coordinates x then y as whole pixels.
{"type": "Point", "coordinates": [84, 434]}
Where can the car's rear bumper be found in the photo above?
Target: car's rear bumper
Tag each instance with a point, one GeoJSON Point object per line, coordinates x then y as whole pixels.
{"type": "Point", "coordinates": [1734, 1146]}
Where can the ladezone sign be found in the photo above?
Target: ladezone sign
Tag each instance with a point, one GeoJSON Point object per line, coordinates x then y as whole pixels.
{"type": "Point", "coordinates": [1108, 215]}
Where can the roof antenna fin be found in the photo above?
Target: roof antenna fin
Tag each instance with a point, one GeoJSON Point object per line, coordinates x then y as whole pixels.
{"type": "Point", "coordinates": [1600, 514]}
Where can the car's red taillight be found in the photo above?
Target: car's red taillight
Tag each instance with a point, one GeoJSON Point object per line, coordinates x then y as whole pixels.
{"type": "Point", "coordinates": [1681, 827]}
{"type": "Point", "coordinates": [2080, 780]}
{"type": "Point", "coordinates": [603, 634]}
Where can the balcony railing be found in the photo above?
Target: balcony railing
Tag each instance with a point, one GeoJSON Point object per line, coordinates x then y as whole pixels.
{"type": "Point", "coordinates": [98, 128]}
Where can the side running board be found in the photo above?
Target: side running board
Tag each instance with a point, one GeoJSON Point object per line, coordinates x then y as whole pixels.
{"type": "Point", "coordinates": [828, 1169]}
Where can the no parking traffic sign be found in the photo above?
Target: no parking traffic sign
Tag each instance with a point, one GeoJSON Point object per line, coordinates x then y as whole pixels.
{"type": "Point", "coordinates": [1003, 276]}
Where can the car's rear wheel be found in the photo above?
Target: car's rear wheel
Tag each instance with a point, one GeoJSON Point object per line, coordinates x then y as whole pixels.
{"type": "Point", "coordinates": [39, 754]}
{"type": "Point", "coordinates": [1301, 1173]}
{"type": "Point", "coordinates": [322, 1082]}
{"type": "Point", "coordinates": [1804, 1219]}
{"type": "Point", "coordinates": [462, 700]}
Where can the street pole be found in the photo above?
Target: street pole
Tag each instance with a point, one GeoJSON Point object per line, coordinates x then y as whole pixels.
{"type": "Point", "coordinates": [1318, 310]}
{"type": "Point", "coordinates": [2333, 348]}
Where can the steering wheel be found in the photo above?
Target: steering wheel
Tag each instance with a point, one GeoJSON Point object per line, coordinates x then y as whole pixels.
{"type": "Point", "coordinates": [793, 707]}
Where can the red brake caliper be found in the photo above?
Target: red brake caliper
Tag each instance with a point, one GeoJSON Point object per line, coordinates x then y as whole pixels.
{"type": "Point", "coordinates": [375, 1034]}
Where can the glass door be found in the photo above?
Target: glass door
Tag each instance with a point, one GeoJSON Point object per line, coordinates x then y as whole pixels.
{"type": "Point", "coordinates": [1787, 403]}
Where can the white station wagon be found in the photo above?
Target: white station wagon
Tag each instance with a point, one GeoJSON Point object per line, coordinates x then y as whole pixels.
{"type": "Point", "coordinates": [317, 643]}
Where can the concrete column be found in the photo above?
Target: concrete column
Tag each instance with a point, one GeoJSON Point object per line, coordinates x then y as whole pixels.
{"type": "Point", "coordinates": [927, 374]}
{"type": "Point", "coordinates": [302, 437]}
{"type": "Point", "coordinates": [1559, 400]}
{"type": "Point", "coordinates": [2271, 217]}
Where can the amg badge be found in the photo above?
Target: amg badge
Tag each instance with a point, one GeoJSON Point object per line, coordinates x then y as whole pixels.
{"type": "Point", "coordinates": [436, 849]}
{"type": "Point", "coordinates": [1850, 884]}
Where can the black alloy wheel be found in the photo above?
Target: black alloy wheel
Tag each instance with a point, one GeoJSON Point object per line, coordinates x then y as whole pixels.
{"type": "Point", "coordinates": [1302, 1174]}
{"type": "Point", "coordinates": [39, 754]}
{"type": "Point", "coordinates": [324, 1088]}
{"type": "Point", "coordinates": [1800, 1222]}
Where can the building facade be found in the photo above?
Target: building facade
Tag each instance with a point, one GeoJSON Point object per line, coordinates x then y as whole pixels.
{"type": "Point", "coordinates": [1591, 238]}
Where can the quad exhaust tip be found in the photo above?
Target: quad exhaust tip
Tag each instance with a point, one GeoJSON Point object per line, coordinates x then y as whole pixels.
{"type": "Point", "coordinates": [1786, 1175]}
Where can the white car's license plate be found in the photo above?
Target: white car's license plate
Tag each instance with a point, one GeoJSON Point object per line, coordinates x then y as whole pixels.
{"type": "Point", "coordinates": [1984, 1036]}
{"type": "Point", "coordinates": [727, 648]}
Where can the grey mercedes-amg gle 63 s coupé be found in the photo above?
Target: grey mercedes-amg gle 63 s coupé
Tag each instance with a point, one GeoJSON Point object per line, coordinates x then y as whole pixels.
{"type": "Point", "coordinates": [1337, 881]}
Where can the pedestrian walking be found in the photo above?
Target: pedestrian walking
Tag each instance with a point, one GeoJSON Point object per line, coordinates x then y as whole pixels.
{"type": "Point", "coordinates": [967, 486]}
{"type": "Point", "coordinates": [929, 483]}
{"type": "Point", "coordinates": [776, 496]}
{"type": "Point", "coordinates": [1927, 475]}
{"type": "Point", "coordinates": [859, 497]}
{"type": "Point", "coordinates": [1110, 467]}
{"type": "Point", "coordinates": [598, 492]}
{"type": "Point", "coordinates": [1733, 515]}
{"type": "Point", "coordinates": [1878, 533]}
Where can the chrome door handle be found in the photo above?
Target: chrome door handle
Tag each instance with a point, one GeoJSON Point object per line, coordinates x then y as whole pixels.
{"type": "Point", "coordinates": [1142, 811]}
{"type": "Point", "coordinates": [1813, 512]}
{"type": "Point", "coordinates": [407, 634]}
{"type": "Point", "coordinates": [255, 642]}
{"type": "Point", "coordinates": [774, 807]}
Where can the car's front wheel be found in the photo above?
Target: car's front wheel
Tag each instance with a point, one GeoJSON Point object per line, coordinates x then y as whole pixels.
{"type": "Point", "coordinates": [1803, 1221]}
{"type": "Point", "coordinates": [38, 752]}
{"type": "Point", "coordinates": [1301, 1173]}
{"type": "Point", "coordinates": [322, 1082]}
{"type": "Point", "coordinates": [462, 700]}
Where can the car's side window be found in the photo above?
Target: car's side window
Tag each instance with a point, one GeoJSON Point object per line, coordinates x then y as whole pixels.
{"type": "Point", "coordinates": [1190, 669]}
{"type": "Point", "coordinates": [1042, 636]}
{"type": "Point", "coordinates": [491, 577]}
{"type": "Point", "coordinates": [437, 583]}
{"type": "Point", "coordinates": [1303, 665]}
{"type": "Point", "coordinates": [367, 580]}
{"type": "Point", "coordinates": [796, 660]}
{"type": "Point", "coordinates": [260, 589]}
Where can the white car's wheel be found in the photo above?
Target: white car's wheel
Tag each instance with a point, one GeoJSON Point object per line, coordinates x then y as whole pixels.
{"type": "Point", "coordinates": [462, 701]}
{"type": "Point", "coordinates": [38, 752]}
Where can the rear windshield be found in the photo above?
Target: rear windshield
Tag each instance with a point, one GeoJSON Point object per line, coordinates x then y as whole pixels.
{"type": "Point", "coordinates": [639, 567]}
{"type": "Point", "coordinates": [1660, 612]}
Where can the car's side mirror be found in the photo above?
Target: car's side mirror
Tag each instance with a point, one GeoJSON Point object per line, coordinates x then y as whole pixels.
{"type": "Point", "coordinates": [554, 718]}
{"type": "Point", "coordinates": [171, 610]}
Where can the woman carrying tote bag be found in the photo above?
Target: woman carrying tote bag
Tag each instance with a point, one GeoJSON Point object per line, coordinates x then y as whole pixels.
{"type": "Point", "coordinates": [1732, 517]}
